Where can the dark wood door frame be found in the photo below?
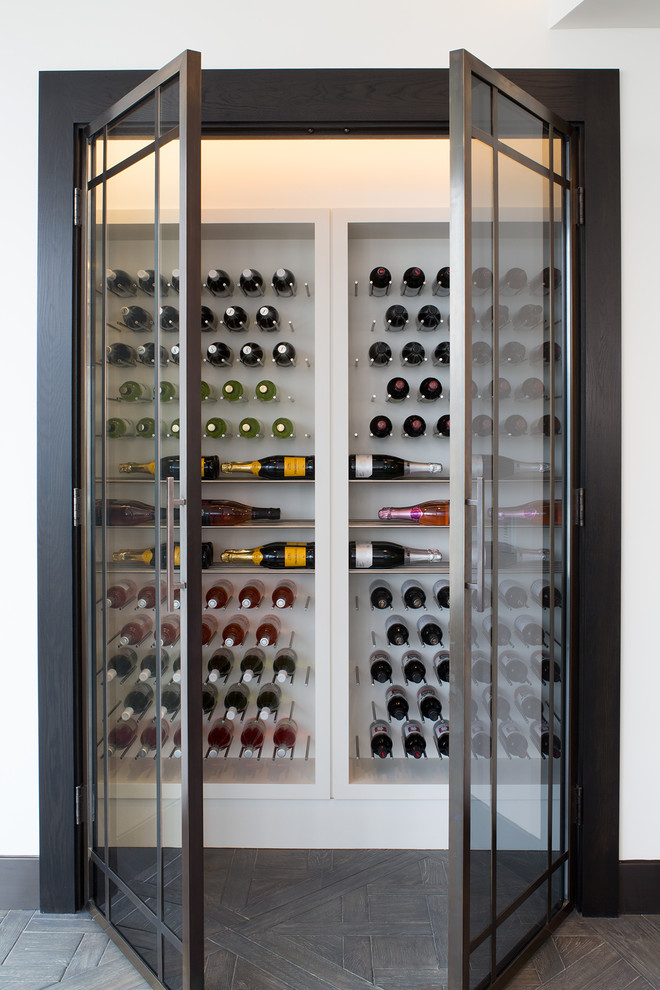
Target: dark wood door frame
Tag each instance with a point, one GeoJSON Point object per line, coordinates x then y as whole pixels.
{"type": "Point", "coordinates": [297, 102]}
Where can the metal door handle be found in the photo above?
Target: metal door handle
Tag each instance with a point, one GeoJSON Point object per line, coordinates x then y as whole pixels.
{"type": "Point", "coordinates": [172, 503]}
{"type": "Point", "coordinates": [478, 586]}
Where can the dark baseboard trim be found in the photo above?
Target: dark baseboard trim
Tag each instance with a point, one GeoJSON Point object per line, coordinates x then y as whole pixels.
{"type": "Point", "coordinates": [639, 886]}
{"type": "Point", "coordinates": [19, 883]}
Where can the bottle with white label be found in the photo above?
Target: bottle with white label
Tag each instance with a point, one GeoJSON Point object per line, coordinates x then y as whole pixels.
{"type": "Point", "coordinates": [379, 553]}
{"type": "Point", "coordinates": [396, 702]}
{"type": "Point", "coordinates": [429, 631]}
{"type": "Point", "coordinates": [428, 702]}
{"type": "Point", "coordinates": [481, 745]}
{"type": "Point", "coordinates": [380, 739]}
{"type": "Point", "coordinates": [387, 467]}
{"type": "Point", "coordinates": [512, 739]}
{"type": "Point", "coordinates": [413, 667]}
{"type": "Point", "coordinates": [529, 631]}
{"type": "Point", "coordinates": [380, 667]}
{"type": "Point", "coordinates": [414, 743]}
{"type": "Point", "coordinates": [441, 737]}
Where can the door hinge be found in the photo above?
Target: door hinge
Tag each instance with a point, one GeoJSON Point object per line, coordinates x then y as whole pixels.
{"type": "Point", "coordinates": [580, 206]}
{"type": "Point", "coordinates": [81, 804]}
{"type": "Point", "coordinates": [577, 805]}
{"type": "Point", "coordinates": [579, 506]}
{"type": "Point", "coordinates": [77, 213]}
{"type": "Point", "coordinates": [76, 506]}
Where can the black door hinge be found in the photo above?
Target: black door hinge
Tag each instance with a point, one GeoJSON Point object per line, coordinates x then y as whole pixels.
{"type": "Point", "coordinates": [81, 804]}
{"type": "Point", "coordinates": [579, 506]}
{"type": "Point", "coordinates": [77, 213]}
{"type": "Point", "coordinates": [76, 507]}
{"type": "Point", "coordinates": [580, 206]}
{"type": "Point", "coordinates": [577, 805]}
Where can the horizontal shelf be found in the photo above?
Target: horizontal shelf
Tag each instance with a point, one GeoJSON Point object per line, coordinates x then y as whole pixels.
{"type": "Point", "coordinates": [250, 478]}
{"type": "Point", "coordinates": [252, 524]}
{"type": "Point", "coordinates": [389, 524]}
{"type": "Point", "coordinates": [442, 567]}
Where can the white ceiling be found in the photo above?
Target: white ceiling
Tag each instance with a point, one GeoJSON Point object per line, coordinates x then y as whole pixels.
{"type": "Point", "coordinates": [604, 13]}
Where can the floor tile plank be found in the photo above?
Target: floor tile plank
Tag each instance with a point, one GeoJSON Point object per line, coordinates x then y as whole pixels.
{"type": "Point", "coordinates": [548, 962]}
{"type": "Point", "coordinates": [88, 954]}
{"type": "Point", "coordinates": [637, 940]}
{"type": "Point", "coordinates": [357, 956]}
{"type": "Point", "coordinates": [11, 928]}
{"type": "Point", "coordinates": [589, 969]}
{"type": "Point", "coordinates": [571, 948]}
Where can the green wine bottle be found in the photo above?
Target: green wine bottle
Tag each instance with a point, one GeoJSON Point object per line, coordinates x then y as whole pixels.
{"type": "Point", "coordinates": [283, 428]}
{"type": "Point", "coordinates": [117, 427]}
{"type": "Point", "coordinates": [209, 393]}
{"type": "Point", "coordinates": [250, 428]}
{"type": "Point", "coordinates": [134, 391]}
{"type": "Point", "coordinates": [175, 429]}
{"type": "Point", "coordinates": [146, 428]}
{"type": "Point", "coordinates": [266, 391]}
{"type": "Point", "coordinates": [232, 391]}
{"type": "Point", "coordinates": [217, 428]}
{"type": "Point", "coordinates": [168, 391]}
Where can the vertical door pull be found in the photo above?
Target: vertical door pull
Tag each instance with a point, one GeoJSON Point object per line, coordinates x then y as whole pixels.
{"type": "Point", "coordinates": [478, 586]}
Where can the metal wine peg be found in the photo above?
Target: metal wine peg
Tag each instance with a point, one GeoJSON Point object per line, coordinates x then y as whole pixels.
{"type": "Point", "coordinates": [307, 362]}
{"type": "Point", "coordinates": [373, 398]}
{"type": "Point", "coordinates": [357, 604]}
{"type": "Point", "coordinates": [307, 675]}
{"type": "Point", "coordinates": [373, 709]}
{"type": "Point", "coordinates": [293, 633]}
{"type": "Point", "coordinates": [309, 742]}
{"type": "Point", "coordinates": [307, 290]}
{"type": "Point", "coordinates": [373, 326]}
{"type": "Point", "coordinates": [357, 362]}
{"type": "Point", "coordinates": [356, 287]}
{"type": "Point", "coordinates": [373, 637]}
{"type": "Point", "coordinates": [309, 598]}
{"type": "Point", "coordinates": [291, 326]}
{"type": "Point", "coordinates": [357, 674]}
{"type": "Point", "coordinates": [357, 747]}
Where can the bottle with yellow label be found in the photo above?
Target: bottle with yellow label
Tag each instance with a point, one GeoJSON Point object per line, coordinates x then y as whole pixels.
{"type": "Point", "coordinates": [169, 467]}
{"type": "Point", "coordinates": [148, 555]}
{"type": "Point", "coordinates": [274, 556]}
{"type": "Point", "coordinates": [272, 467]}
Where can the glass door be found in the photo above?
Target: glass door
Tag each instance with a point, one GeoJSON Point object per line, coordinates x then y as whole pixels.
{"type": "Point", "coordinates": [512, 171]}
{"type": "Point", "coordinates": [144, 540]}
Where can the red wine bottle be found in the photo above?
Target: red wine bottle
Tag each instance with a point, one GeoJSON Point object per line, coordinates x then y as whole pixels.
{"type": "Point", "coordinates": [413, 354]}
{"type": "Point", "coordinates": [219, 355]}
{"type": "Point", "coordinates": [253, 735]}
{"type": "Point", "coordinates": [284, 737]}
{"type": "Point", "coordinates": [380, 354]}
{"type": "Point", "coordinates": [284, 355]}
{"type": "Point", "coordinates": [512, 594]}
{"type": "Point", "coordinates": [414, 426]}
{"type": "Point", "coordinates": [120, 282]}
{"type": "Point", "coordinates": [209, 699]}
{"type": "Point", "coordinates": [396, 317]}
{"type": "Point", "coordinates": [513, 667]}
{"type": "Point", "coordinates": [147, 282]}
{"type": "Point", "coordinates": [441, 664]}
{"type": "Point", "coordinates": [413, 596]}
{"type": "Point", "coordinates": [268, 700]}
{"type": "Point", "coordinates": [413, 282]}
{"type": "Point", "coordinates": [482, 426]}
{"type": "Point", "coordinates": [503, 389]}
{"type": "Point", "coordinates": [220, 664]}
{"type": "Point", "coordinates": [441, 283]}
{"type": "Point", "coordinates": [251, 355]}
{"type": "Point", "coordinates": [441, 593]}
{"type": "Point", "coordinates": [414, 743]}
{"type": "Point", "coordinates": [481, 743]}
{"type": "Point", "coordinates": [121, 355]}
{"type": "Point", "coordinates": [236, 700]}
{"type": "Point", "coordinates": [500, 634]}
{"type": "Point", "coordinates": [380, 739]}
{"type": "Point", "coordinates": [207, 319]}
{"type": "Point", "coordinates": [528, 317]}
{"type": "Point", "coordinates": [513, 353]}
{"type": "Point", "coordinates": [513, 282]}
{"type": "Point", "coordinates": [168, 318]}
{"type": "Point", "coordinates": [527, 702]}
{"type": "Point", "coordinates": [541, 665]}
{"type": "Point", "coordinates": [482, 281]}
{"type": "Point", "coordinates": [252, 664]}
{"type": "Point", "coordinates": [539, 733]}
{"type": "Point", "coordinates": [529, 631]}
{"type": "Point", "coordinates": [170, 699]}
{"type": "Point", "coordinates": [380, 667]}
{"type": "Point", "coordinates": [149, 738]}
{"type": "Point", "coordinates": [428, 702]}
{"type": "Point", "coordinates": [546, 596]}
{"type": "Point", "coordinates": [380, 281]}
{"type": "Point", "coordinates": [137, 701]}
{"type": "Point", "coordinates": [413, 667]}
{"type": "Point", "coordinates": [430, 389]}
{"type": "Point", "coordinates": [442, 426]}
{"type": "Point", "coordinates": [429, 318]}
{"type": "Point", "coordinates": [136, 318]}
{"type": "Point", "coordinates": [441, 353]}
{"type": "Point", "coordinates": [482, 353]}
{"type": "Point", "coordinates": [397, 389]}
{"type": "Point", "coordinates": [396, 702]}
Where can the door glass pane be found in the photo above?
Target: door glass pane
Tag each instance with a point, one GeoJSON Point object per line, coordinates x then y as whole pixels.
{"type": "Point", "coordinates": [131, 133]}
{"type": "Point", "coordinates": [522, 131]}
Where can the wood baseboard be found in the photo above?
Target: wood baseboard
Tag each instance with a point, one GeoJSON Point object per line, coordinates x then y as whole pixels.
{"type": "Point", "coordinates": [639, 886]}
{"type": "Point", "coordinates": [19, 883]}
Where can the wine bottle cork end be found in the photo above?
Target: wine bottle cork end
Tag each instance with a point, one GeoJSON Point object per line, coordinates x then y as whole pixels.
{"type": "Point", "coordinates": [281, 676]}
{"type": "Point", "coordinates": [111, 675]}
{"type": "Point", "coordinates": [126, 714]}
{"type": "Point", "coordinates": [176, 677]}
{"type": "Point", "coordinates": [248, 754]}
{"type": "Point", "coordinates": [264, 713]}
{"type": "Point", "coordinates": [231, 713]}
{"type": "Point", "coordinates": [177, 754]}
{"type": "Point", "coordinates": [212, 754]}
{"type": "Point", "coordinates": [144, 675]}
{"type": "Point", "coordinates": [247, 675]}
{"type": "Point", "coordinates": [213, 676]}
{"type": "Point", "coordinates": [280, 751]}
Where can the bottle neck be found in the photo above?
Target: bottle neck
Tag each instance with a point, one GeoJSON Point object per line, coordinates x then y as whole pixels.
{"type": "Point", "coordinates": [133, 467]}
{"type": "Point", "coordinates": [415, 556]}
{"type": "Point", "coordinates": [405, 512]}
{"type": "Point", "coordinates": [421, 467]}
{"type": "Point", "coordinates": [236, 556]}
{"type": "Point", "coordinates": [236, 467]}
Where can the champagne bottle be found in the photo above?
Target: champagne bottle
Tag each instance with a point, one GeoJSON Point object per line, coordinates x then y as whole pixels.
{"type": "Point", "coordinates": [169, 467]}
{"type": "Point", "coordinates": [414, 426]}
{"type": "Point", "coordinates": [251, 355]}
{"type": "Point", "coordinates": [207, 320]}
{"type": "Point", "coordinates": [117, 427]}
{"type": "Point", "coordinates": [441, 737]}
{"type": "Point", "coordinates": [284, 355]}
{"type": "Point", "coordinates": [380, 281]}
{"type": "Point", "coordinates": [219, 355]}
{"type": "Point", "coordinates": [413, 596]}
{"type": "Point", "coordinates": [219, 283]}
{"type": "Point", "coordinates": [284, 594]}
{"type": "Point", "coordinates": [387, 467]}
{"type": "Point", "coordinates": [168, 318]}
{"type": "Point", "coordinates": [274, 555]}
{"type": "Point", "coordinates": [441, 593]}
{"type": "Point", "coordinates": [429, 703]}
{"type": "Point", "coordinates": [380, 595]}
{"type": "Point", "coordinates": [121, 355]}
{"type": "Point", "coordinates": [120, 665]}
{"type": "Point", "coordinates": [441, 283]}
{"type": "Point", "coordinates": [413, 282]}
{"type": "Point", "coordinates": [428, 318]}
{"type": "Point", "coordinates": [396, 702]}
{"type": "Point", "coordinates": [284, 664]}
{"type": "Point", "coordinates": [268, 700]}
{"type": "Point", "coordinates": [535, 513]}
{"type": "Point", "coordinates": [121, 593]}
{"type": "Point", "coordinates": [284, 736]}
{"type": "Point", "coordinates": [136, 318]}
{"type": "Point", "coordinates": [396, 317]}
{"type": "Point", "coordinates": [413, 354]}
{"type": "Point", "coordinates": [137, 701]}
{"type": "Point", "coordinates": [268, 319]}
{"type": "Point", "coordinates": [380, 427]}
{"type": "Point", "coordinates": [429, 631]}
{"type": "Point", "coordinates": [147, 282]}
{"type": "Point", "coordinates": [414, 743]}
{"type": "Point", "coordinates": [220, 665]}
{"type": "Point", "coordinates": [236, 700]}
{"type": "Point", "coordinates": [507, 468]}
{"type": "Point", "coordinates": [380, 667]}
{"type": "Point", "coordinates": [251, 594]}
{"type": "Point", "coordinates": [268, 630]}
{"type": "Point", "coordinates": [397, 389]}
{"type": "Point", "coordinates": [252, 664]}
{"type": "Point", "coordinates": [426, 513]}
{"type": "Point", "coordinates": [396, 631]}
{"type": "Point", "coordinates": [227, 513]}
{"type": "Point", "coordinates": [380, 739]}
{"type": "Point", "coordinates": [251, 282]}
{"type": "Point", "coordinates": [380, 354]}
{"type": "Point", "coordinates": [120, 282]}
{"type": "Point", "coordinates": [253, 736]}
{"type": "Point", "coordinates": [413, 667]}
{"type": "Point", "coordinates": [282, 428]}
{"type": "Point", "coordinates": [148, 555]}
{"type": "Point", "coordinates": [379, 553]}
{"type": "Point", "coordinates": [508, 556]}
{"type": "Point", "coordinates": [220, 736]}
{"type": "Point", "coordinates": [274, 467]}
{"type": "Point", "coordinates": [121, 736]}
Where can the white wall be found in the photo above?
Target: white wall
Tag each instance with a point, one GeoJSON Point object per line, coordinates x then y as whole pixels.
{"type": "Point", "coordinates": [78, 35]}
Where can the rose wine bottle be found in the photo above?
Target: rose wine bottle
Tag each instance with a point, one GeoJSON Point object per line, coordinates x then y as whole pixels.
{"type": "Point", "coordinates": [232, 513]}
{"type": "Point", "coordinates": [121, 593]}
{"type": "Point", "coordinates": [380, 667]}
{"type": "Point", "coordinates": [284, 594]}
{"type": "Point", "coordinates": [149, 738]}
{"type": "Point", "coordinates": [284, 664]}
{"type": "Point", "coordinates": [396, 631]}
{"type": "Point", "coordinates": [380, 595]}
{"type": "Point", "coordinates": [121, 736]}
{"type": "Point", "coordinates": [533, 513]}
{"type": "Point", "coordinates": [274, 556]}
{"type": "Point", "coordinates": [252, 664]}
{"type": "Point", "coordinates": [121, 664]}
{"type": "Point", "coordinates": [169, 468]}
{"type": "Point", "coordinates": [268, 630]}
{"type": "Point", "coordinates": [414, 743]}
{"type": "Point", "coordinates": [136, 630]}
{"type": "Point", "coordinates": [387, 467]}
{"type": "Point", "coordinates": [147, 595]}
{"type": "Point", "coordinates": [170, 630]}
{"type": "Point", "coordinates": [236, 700]}
{"type": "Point", "coordinates": [429, 631]}
{"type": "Point", "coordinates": [137, 701]}
{"type": "Point", "coordinates": [430, 513]}
{"type": "Point", "coordinates": [219, 595]}
{"type": "Point", "coordinates": [148, 665]}
{"type": "Point", "coordinates": [380, 739]}
{"type": "Point", "coordinates": [381, 554]}
{"type": "Point", "coordinates": [380, 281]}
{"type": "Point", "coordinates": [251, 594]}
{"type": "Point", "coordinates": [413, 667]}
{"type": "Point", "coordinates": [235, 631]}
{"type": "Point", "coordinates": [396, 702]}
{"type": "Point", "coordinates": [268, 700]}
{"type": "Point", "coordinates": [284, 736]}
{"type": "Point", "coordinates": [209, 699]}
{"type": "Point", "coordinates": [220, 664]}
{"type": "Point", "coordinates": [209, 628]}
{"type": "Point", "coordinates": [170, 699]}
{"type": "Point", "coordinates": [274, 468]}
{"type": "Point", "coordinates": [441, 737]}
{"type": "Point", "coordinates": [253, 735]}
{"type": "Point", "coordinates": [220, 736]}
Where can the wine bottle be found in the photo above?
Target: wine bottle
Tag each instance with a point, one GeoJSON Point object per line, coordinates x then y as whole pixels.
{"type": "Point", "coordinates": [209, 628]}
{"type": "Point", "coordinates": [482, 353]}
{"type": "Point", "coordinates": [378, 553]}
{"type": "Point", "coordinates": [430, 389]}
{"type": "Point", "coordinates": [513, 353]}
{"type": "Point", "coordinates": [396, 317]}
{"type": "Point", "coordinates": [503, 318]}
{"type": "Point", "coordinates": [170, 630]}
{"type": "Point", "coordinates": [251, 355]}
{"type": "Point", "coordinates": [502, 709]}
{"type": "Point", "coordinates": [116, 427]}
{"type": "Point", "coordinates": [430, 513]}
{"type": "Point", "coordinates": [175, 279]}
{"type": "Point", "coordinates": [250, 428]}
{"type": "Point", "coordinates": [169, 467]}
{"type": "Point", "coordinates": [220, 736]}
{"type": "Point", "coordinates": [253, 736]}
{"type": "Point", "coordinates": [502, 632]}
{"type": "Point", "coordinates": [251, 282]}
{"type": "Point", "coordinates": [396, 631]}
{"type": "Point", "coordinates": [146, 354]}
{"type": "Point", "coordinates": [219, 355]}
{"type": "Point", "coordinates": [236, 700]}
{"type": "Point", "coordinates": [397, 389]}
{"type": "Point", "coordinates": [414, 426]}
{"type": "Point", "coordinates": [396, 702]}
{"type": "Point", "coordinates": [531, 388]}
{"type": "Point", "coordinates": [441, 353]}
{"type": "Point", "coordinates": [380, 281]}
{"type": "Point", "coordinates": [137, 701]}
{"type": "Point", "coordinates": [251, 594]}
{"type": "Point", "coordinates": [512, 594]}
{"type": "Point", "coordinates": [442, 426]}
{"type": "Point", "coordinates": [529, 631]}
{"type": "Point", "coordinates": [527, 702]}
{"type": "Point", "coordinates": [284, 355]}
{"type": "Point", "coordinates": [252, 664]}
{"type": "Point", "coordinates": [149, 738]}
{"type": "Point", "coordinates": [428, 702]}
{"type": "Point", "coordinates": [413, 354]}
{"type": "Point", "coordinates": [120, 665]}
{"type": "Point", "coordinates": [441, 737]}
{"type": "Point", "coordinates": [545, 595]}
{"type": "Point", "coordinates": [274, 555]}
{"type": "Point", "coordinates": [136, 630]}
{"type": "Point", "coordinates": [209, 699]}
{"type": "Point", "coordinates": [429, 631]}
{"type": "Point", "coordinates": [170, 700]}
{"type": "Point", "coordinates": [207, 320]}
{"type": "Point", "coordinates": [545, 426]}
{"type": "Point", "coordinates": [441, 593]}
{"type": "Point", "coordinates": [284, 594]}
{"type": "Point", "coordinates": [546, 281]}
{"type": "Point", "coordinates": [149, 665]}
{"type": "Point", "coordinates": [233, 391]}
{"type": "Point", "coordinates": [380, 353]}
{"type": "Point", "coordinates": [545, 353]}
{"type": "Point", "coordinates": [147, 595]}
{"type": "Point", "coordinates": [413, 667]}
{"type": "Point", "coordinates": [134, 392]}
{"type": "Point", "coordinates": [482, 281]}
{"type": "Point", "coordinates": [528, 317]}
{"type": "Point", "coordinates": [507, 467]}
{"type": "Point", "coordinates": [481, 668]}
{"type": "Point", "coordinates": [380, 667]}
{"type": "Point", "coordinates": [176, 670]}
{"type": "Point", "coordinates": [428, 318]}
{"type": "Point", "coordinates": [268, 700]}
{"type": "Point", "coordinates": [148, 555]}
{"type": "Point", "coordinates": [508, 556]}
{"type": "Point", "coordinates": [441, 665]}
{"type": "Point", "coordinates": [220, 665]}
{"type": "Point", "coordinates": [146, 428]}
{"type": "Point", "coordinates": [513, 667]}
{"type": "Point", "coordinates": [121, 736]}
{"type": "Point", "coordinates": [503, 389]}
{"type": "Point", "coordinates": [284, 282]}
{"type": "Point", "coordinates": [147, 282]}
{"type": "Point", "coordinates": [387, 467]}
{"type": "Point", "coordinates": [168, 391]}
{"type": "Point", "coordinates": [136, 318]}
{"type": "Point", "coordinates": [413, 596]}
{"type": "Point", "coordinates": [219, 595]}
{"type": "Point", "coordinates": [175, 352]}
{"type": "Point", "coordinates": [283, 428]}
{"type": "Point", "coordinates": [380, 427]}
{"type": "Point", "coordinates": [235, 631]}
{"type": "Point", "coordinates": [482, 426]}
{"type": "Point", "coordinates": [540, 664]}
{"type": "Point", "coordinates": [268, 630]}
{"type": "Point", "coordinates": [121, 593]}
{"type": "Point", "coordinates": [274, 467]}
{"type": "Point", "coordinates": [284, 736]}
{"type": "Point", "coordinates": [265, 391]}
{"type": "Point", "coordinates": [380, 595]}
{"type": "Point", "coordinates": [121, 355]}
{"type": "Point", "coordinates": [284, 664]}
{"type": "Point", "coordinates": [513, 282]}
{"type": "Point", "coordinates": [513, 741]}
{"type": "Point", "coordinates": [539, 733]}
{"type": "Point", "coordinates": [413, 282]}
{"type": "Point", "coordinates": [380, 739]}
{"type": "Point", "coordinates": [169, 318]}
{"type": "Point", "coordinates": [440, 286]}
{"type": "Point", "coordinates": [414, 743]}
{"type": "Point", "coordinates": [219, 283]}
{"type": "Point", "coordinates": [120, 282]}
{"type": "Point", "coordinates": [481, 743]}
